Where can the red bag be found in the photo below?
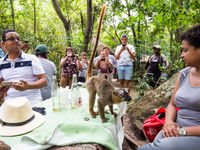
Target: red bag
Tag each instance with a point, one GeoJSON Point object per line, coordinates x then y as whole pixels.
{"type": "Point", "coordinates": [154, 124]}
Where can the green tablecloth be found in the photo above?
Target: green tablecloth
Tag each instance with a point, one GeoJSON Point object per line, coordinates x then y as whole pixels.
{"type": "Point", "coordinates": [69, 127]}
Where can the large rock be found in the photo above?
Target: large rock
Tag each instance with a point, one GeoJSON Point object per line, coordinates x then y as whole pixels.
{"type": "Point", "coordinates": [144, 108]}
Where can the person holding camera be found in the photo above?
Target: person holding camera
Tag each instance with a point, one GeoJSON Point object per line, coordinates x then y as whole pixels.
{"type": "Point", "coordinates": [70, 65]}
{"type": "Point", "coordinates": [25, 47]}
{"type": "Point", "coordinates": [84, 63]}
{"type": "Point", "coordinates": [104, 65]}
{"type": "Point", "coordinates": [125, 54]}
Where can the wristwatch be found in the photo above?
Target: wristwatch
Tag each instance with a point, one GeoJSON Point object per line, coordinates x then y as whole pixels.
{"type": "Point", "coordinates": [182, 132]}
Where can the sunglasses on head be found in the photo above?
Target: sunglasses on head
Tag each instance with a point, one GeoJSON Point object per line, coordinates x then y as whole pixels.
{"type": "Point", "coordinates": [13, 39]}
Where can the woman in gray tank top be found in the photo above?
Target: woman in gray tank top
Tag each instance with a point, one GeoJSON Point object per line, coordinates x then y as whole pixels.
{"type": "Point", "coordinates": [182, 130]}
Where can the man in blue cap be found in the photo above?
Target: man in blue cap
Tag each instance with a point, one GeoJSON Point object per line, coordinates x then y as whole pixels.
{"type": "Point", "coordinates": [49, 67]}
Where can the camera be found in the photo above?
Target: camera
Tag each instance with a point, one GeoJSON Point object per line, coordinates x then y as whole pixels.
{"type": "Point", "coordinates": [103, 59]}
{"type": "Point", "coordinates": [26, 41]}
{"type": "Point", "coordinates": [123, 44]}
{"type": "Point", "coordinates": [73, 55]}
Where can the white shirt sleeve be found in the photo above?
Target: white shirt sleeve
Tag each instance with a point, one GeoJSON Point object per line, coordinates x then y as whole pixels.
{"type": "Point", "coordinates": [37, 66]}
{"type": "Point", "coordinates": [117, 50]}
{"type": "Point", "coordinates": [132, 49]}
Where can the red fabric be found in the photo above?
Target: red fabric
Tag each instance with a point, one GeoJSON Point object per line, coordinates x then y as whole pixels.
{"type": "Point", "coordinates": [154, 124]}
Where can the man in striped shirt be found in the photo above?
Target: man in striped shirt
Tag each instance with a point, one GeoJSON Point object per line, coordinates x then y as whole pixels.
{"type": "Point", "coordinates": [17, 66]}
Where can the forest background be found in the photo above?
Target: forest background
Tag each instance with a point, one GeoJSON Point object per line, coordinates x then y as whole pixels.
{"type": "Point", "coordinates": [58, 23]}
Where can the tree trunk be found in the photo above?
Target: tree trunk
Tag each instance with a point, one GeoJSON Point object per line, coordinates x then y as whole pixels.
{"type": "Point", "coordinates": [89, 26]}
{"type": "Point", "coordinates": [65, 22]}
{"type": "Point", "coordinates": [116, 33]}
{"type": "Point", "coordinates": [82, 22]}
{"type": "Point", "coordinates": [171, 42]}
{"type": "Point", "coordinates": [132, 27]}
{"type": "Point", "coordinates": [34, 16]}
{"type": "Point", "coordinates": [12, 13]}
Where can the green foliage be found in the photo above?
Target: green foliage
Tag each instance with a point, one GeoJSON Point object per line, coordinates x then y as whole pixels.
{"type": "Point", "coordinates": [142, 86]}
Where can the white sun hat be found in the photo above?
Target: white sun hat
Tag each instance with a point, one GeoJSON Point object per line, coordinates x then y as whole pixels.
{"type": "Point", "coordinates": [17, 117]}
{"type": "Point", "coordinates": [157, 46]}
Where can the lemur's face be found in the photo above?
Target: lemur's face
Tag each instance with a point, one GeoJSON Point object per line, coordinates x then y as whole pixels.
{"type": "Point", "coordinates": [120, 95]}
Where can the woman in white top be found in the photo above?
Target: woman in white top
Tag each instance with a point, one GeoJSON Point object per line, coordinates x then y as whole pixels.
{"type": "Point", "coordinates": [84, 63]}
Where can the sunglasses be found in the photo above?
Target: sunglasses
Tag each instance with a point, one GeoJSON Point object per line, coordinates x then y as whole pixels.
{"type": "Point", "coordinates": [13, 39]}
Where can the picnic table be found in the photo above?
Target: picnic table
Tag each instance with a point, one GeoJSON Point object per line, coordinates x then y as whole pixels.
{"type": "Point", "coordinates": [69, 126]}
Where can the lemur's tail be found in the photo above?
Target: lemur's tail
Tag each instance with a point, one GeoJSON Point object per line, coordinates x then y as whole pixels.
{"type": "Point", "coordinates": [89, 69]}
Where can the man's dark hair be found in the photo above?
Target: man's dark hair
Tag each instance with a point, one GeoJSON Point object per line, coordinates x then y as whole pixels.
{"type": "Point", "coordinates": [43, 55]}
{"type": "Point", "coordinates": [192, 36]}
{"type": "Point", "coordinates": [5, 32]}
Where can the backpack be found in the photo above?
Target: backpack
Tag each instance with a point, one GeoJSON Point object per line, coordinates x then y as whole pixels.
{"type": "Point", "coordinates": [154, 124]}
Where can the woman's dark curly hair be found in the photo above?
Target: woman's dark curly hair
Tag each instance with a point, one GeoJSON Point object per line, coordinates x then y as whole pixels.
{"type": "Point", "coordinates": [192, 36]}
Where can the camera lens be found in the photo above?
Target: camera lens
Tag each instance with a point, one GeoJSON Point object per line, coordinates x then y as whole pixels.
{"type": "Point", "coordinates": [102, 59]}
{"type": "Point", "coordinates": [26, 41]}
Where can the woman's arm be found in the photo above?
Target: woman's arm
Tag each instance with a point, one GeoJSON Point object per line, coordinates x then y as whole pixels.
{"type": "Point", "coordinates": [3, 91]}
{"type": "Point", "coordinates": [170, 128]}
{"type": "Point", "coordinates": [78, 63]}
{"type": "Point", "coordinates": [96, 65]}
{"type": "Point", "coordinates": [109, 64]}
{"type": "Point", "coordinates": [62, 62]}
{"type": "Point", "coordinates": [192, 131]}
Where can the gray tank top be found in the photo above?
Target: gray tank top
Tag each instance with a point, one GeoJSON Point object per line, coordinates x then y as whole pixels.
{"type": "Point", "coordinates": [187, 99]}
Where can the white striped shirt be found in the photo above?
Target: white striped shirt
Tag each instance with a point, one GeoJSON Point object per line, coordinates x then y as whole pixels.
{"type": "Point", "coordinates": [26, 67]}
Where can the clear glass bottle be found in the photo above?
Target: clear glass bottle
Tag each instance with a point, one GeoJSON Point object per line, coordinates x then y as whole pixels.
{"type": "Point", "coordinates": [55, 94]}
{"type": "Point", "coordinates": [76, 99]}
{"type": "Point", "coordinates": [64, 100]}
{"type": "Point", "coordinates": [99, 73]}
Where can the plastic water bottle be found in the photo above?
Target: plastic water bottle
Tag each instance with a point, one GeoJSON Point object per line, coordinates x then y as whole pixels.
{"type": "Point", "coordinates": [76, 99]}
{"type": "Point", "coordinates": [55, 95]}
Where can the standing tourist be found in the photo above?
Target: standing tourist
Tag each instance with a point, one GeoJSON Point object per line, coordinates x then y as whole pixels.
{"type": "Point", "coordinates": [49, 67]}
{"type": "Point", "coordinates": [125, 54]}
{"type": "Point", "coordinates": [70, 65]}
{"type": "Point", "coordinates": [154, 65]}
{"type": "Point", "coordinates": [84, 64]}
